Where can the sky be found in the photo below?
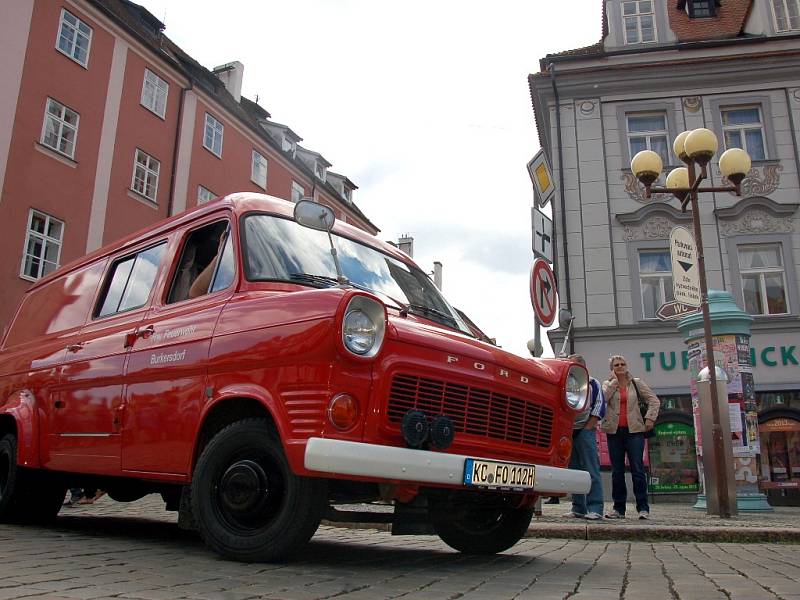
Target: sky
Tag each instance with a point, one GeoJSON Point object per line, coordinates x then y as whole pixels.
{"type": "Point", "coordinates": [424, 105]}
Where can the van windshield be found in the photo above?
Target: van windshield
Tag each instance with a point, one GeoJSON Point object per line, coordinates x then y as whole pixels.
{"type": "Point", "coordinates": [277, 249]}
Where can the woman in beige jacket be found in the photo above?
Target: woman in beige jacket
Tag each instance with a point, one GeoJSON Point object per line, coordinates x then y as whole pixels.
{"type": "Point", "coordinates": [625, 428]}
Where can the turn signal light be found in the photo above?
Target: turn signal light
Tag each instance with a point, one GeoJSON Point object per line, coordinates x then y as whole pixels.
{"type": "Point", "coordinates": [564, 448]}
{"type": "Point", "coordinates": [343, 411]}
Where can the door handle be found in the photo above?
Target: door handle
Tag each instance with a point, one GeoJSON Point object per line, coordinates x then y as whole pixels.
{"type": "Point", "coordinates": [74, 347]}
{"type": "Point", "coordinates": [146, 332]}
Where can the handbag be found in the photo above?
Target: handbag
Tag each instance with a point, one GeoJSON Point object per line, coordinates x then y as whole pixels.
{"type": "Point", "coordinates": [643, 409]}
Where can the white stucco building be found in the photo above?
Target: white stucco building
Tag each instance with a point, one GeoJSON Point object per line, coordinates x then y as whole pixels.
{"type": "Point", "coordinates": [662, 67]}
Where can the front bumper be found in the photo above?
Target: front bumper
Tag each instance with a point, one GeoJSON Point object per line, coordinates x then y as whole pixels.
{"type": "Point", "coordinates": [421, 466]}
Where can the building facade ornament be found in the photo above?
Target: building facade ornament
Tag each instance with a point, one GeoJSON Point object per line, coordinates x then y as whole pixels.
{"type": "Point", "coordinates": [758, 184]}
{"type": "Point", "coordinates": [587, 107]}
{"type": "Point", "coordinates": [652, 222]}
{"type": "Point", "coordinates": [691, 104]}
{"type": "Point", "coordinates": [756, 215]}
{"type": "Point", "coordinates": [756, 221]}
{"type": "Point", "coordinates": [635, 190]}
{"type": "Point", "coordinates": [796, 94]}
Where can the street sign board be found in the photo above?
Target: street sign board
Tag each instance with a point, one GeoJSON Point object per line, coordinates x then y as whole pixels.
{"type": "Point", "coordinates": [542, 178]}
{"type": "Point", "coordinates": [685, 272]}
{"type": "Point", "coordinates": [542, 235]}
{"type": "Point", "coordinates": [543, 292]}
{"type": "Point", "coordinates": [673, 309]}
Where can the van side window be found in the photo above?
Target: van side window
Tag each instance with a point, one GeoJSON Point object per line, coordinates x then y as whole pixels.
{"type": "Point", "coordinates": [206, 263]}
{"type": "Point", "coordinates": [131, 281]}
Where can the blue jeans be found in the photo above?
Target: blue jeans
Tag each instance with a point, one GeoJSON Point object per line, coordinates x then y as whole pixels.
{"type": "Point", "coordinates": [584, 457]}
{"type": "Point", "coordinates": [619, 444]}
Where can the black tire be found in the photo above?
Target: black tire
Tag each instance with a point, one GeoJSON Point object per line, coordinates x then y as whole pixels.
{"type": "Point", "coordinates": [26, 495]}
{"type": "Point", "coordinates": [480, 526]}
{"type": "Point", "coordinates": [247, 503]}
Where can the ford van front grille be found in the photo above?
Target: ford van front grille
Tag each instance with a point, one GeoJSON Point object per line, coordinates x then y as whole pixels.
{"type": "Point", "coordinates": [474, 411]}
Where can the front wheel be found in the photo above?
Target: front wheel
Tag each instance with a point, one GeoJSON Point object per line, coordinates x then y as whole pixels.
{"type": "Point", "coordinates": [247, 503]}
{"type": "Point", "coordinates": [480, 525]}
{"type": "Point", "coordinates": [26, 495]}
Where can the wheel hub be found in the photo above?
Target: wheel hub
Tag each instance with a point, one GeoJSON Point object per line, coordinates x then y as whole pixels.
{"type": "Point", "coordinates": [244, 488]}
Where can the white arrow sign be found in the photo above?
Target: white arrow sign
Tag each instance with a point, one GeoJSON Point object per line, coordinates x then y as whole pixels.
{"type": "Point", "coordinates": [685, 272]}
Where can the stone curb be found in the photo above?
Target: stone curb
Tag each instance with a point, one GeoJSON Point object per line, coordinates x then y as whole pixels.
{"type": "Point", "coordinates": [672, 533]}
{"type": "Point", "coordinates": [643, 533]}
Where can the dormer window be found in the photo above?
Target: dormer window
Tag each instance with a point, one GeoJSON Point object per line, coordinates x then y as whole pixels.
{"type": "Point", "coordinates": [348, 194]}
{"type": "Point", "coordinates": [787, 15]}
{"type": "Point", "coordinates": [701, 9]}
{"type": "Point", "coordinates": [639, 20]}
{"type": "Point", "coordinates": [319, 171]}
{"type": "Point", "coordinates": [287, 145]}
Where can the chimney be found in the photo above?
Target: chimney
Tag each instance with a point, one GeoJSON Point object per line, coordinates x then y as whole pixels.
{"type": "Point", "coordinates": [406, 244]}
{"type": "Point", "coordinates": [231, 75]}
{"type": "Point", "coordinates": [437, 274]}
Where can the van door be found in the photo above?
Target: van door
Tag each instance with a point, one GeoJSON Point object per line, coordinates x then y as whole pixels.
{"type": "Point", "coordinates": [167, 368]}
{"type": "Point", "coordinates": [85, 423]}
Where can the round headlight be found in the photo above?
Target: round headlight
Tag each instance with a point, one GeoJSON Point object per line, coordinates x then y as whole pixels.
{"type": "Point", "coordinates": [577, 392]}
{"type": "Point", "coordinates": [363, 326]}
{"type": "Point", "coordinates": [359, 332]}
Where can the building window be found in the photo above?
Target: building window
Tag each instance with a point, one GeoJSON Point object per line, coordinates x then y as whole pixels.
{"type": "Point", "coordinates": [204, 195]}
{"type": "Point", "coordinates": [258, 170]}
{"type": "Point", "coordinates": [297, 192]}
{"type": "Point", "coordinates": [348, 194]}
{"type": "Point", "coordinates": [763, 279]}
{"type": "Point", "coordinates": [42, 245]}
{"type": "Point", "coordinates": [701, 9]}
{"type": "Point", "coordinates": [742, 128]}
{"type": "Point", "coordinates": [319, 171]}
{"type": "Point", "coordinates": [648, 131]}
{"type": "Point", "coordinates": [639, 20]}
{"type": "Point", "coordinates": [287, 145]}
{"type": "Point", "coordinates": [60, 130]}
{"type": "Point", "coordinates": [145, 175]}
{"type": "Point", "coordinates": [74, 38]}
{"type": "Point", "coordinates": [787, 14]}
{"type": "Point", "coordinates": [655, 280]}
{"type": "Point", "coordinates": [212, 138]}
{"type": "Point", "coordinates": [154, 93]}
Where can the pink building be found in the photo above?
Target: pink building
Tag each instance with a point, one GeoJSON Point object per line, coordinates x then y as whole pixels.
{"type": "Point", "coordinates": [108, 126]}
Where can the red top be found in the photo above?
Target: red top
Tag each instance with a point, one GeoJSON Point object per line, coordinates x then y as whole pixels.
{"type": "Point", "coordinates": [623, 406]}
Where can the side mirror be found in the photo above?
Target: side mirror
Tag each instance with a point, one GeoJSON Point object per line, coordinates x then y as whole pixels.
{"type": "Point", "coordinates": [564, 318]}
{"type": "Point", "coordinates": [314, 215]}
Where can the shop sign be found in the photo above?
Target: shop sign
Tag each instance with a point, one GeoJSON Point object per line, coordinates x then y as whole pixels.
{"type": "Point", "coordinates": [769, 356]}
{"type": "Point", "coordinates": [780, 424]}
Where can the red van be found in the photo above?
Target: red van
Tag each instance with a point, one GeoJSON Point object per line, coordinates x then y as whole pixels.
{"type": "Point", "coordinates": [259, 365]}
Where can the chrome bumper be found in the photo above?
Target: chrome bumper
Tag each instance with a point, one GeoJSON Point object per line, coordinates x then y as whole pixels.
{"type": "Point", "coordinates": [421, 466]}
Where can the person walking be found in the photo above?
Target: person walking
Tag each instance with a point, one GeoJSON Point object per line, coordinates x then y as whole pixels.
{"type": "Point", "coordinates": [584, 451]}
{"type": "Point", "coordinates": [625, 427]}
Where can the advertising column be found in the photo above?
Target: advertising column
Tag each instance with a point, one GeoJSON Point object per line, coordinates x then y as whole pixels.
{"type": "Point", "coordinates": [730, 328]}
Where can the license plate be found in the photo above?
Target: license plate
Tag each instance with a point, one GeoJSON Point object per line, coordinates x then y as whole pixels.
{"type": "Point", "coordinates": [494, 474]}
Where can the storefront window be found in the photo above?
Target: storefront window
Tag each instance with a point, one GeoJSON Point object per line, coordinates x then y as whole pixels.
{"type": "Point", "coordinates": [767, 400]}
{"type": "Point", "coordinates": [780, 453]}
{"type": "Point", "coordinates": [673, 460]}
{"type": "Point", "coordinates": [681, 403]}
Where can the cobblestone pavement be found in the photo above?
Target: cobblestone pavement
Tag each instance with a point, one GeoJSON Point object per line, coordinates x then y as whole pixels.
{"type": "Point", "coordinates": [136, 551]}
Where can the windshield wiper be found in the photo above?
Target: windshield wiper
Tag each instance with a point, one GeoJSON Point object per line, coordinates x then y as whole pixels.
{"type": "Point", "coordinates": [322, 281]}
{"type": "Point", "coordinates": [427, 311]}
{"type": "Point", "coordinates": [325, 281]}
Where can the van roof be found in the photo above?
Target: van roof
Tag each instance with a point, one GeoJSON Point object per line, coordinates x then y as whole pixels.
{"type": "Point", "coordinates": [237, 203]}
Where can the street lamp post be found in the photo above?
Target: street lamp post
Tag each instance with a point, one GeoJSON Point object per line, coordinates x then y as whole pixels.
{"type": "Point", "coordinates": [695, 148]}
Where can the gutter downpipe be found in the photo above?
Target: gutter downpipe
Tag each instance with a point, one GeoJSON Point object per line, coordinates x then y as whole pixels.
{"type": "Point", "coordinates": [552, 68]}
